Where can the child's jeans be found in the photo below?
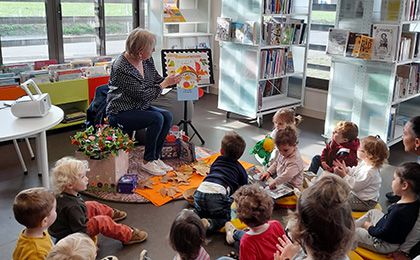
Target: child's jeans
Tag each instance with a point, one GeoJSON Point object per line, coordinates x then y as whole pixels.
{"type": "Point", "coordinates": [315, 164]}
{"type": "Point", "coordinates": [100, 222]}
{"type": "Point", "coordinates": [367, 241]}
{"type": "Point", "coordinates": [215, 207]}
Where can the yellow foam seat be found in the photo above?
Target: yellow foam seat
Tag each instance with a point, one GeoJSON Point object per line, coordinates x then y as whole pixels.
{"type": "Point", "coordinates": [235, 221]}
{"type": "Point", "coordinates": [369, 255]}
{"type": "Point", "coordinates": [354, 256]}
{"type": "Point", "coordinates": [288, 202]}
{"type": "Point", "coordinates": [359, 214]}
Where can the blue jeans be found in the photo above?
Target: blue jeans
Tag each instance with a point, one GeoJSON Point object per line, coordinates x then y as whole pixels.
{"type": "Point", "coordinates": [315, 164]}
{"type": "Point", "coordinates": [157, 121]}
{"type": "Point", "coordinates": [215, 207]}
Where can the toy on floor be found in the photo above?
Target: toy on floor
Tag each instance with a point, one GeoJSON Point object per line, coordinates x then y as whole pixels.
{"type": "Point", "coordinates": [263, 149]}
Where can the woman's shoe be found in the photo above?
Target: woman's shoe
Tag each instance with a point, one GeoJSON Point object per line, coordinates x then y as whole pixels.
{"type": "Point", "coordinates": [163, 165]}
{"type": "Point", "coordinates": [152, 168]}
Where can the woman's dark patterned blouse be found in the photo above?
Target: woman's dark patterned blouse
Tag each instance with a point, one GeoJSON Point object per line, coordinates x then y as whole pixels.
{"type": "Point", "coordinates": [128, 90]}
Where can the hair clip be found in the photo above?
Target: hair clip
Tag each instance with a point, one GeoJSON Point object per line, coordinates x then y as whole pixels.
{"type": "Point", "coordinates": [377, 137]}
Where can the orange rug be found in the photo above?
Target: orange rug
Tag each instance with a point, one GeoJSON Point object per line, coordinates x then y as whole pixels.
{"type": "Point", "coordinates": [158, 200]}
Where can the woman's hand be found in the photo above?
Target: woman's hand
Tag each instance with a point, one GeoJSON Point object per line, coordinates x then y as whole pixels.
{"type": "Point", "coordinates": [170, 80]}
{"type": "Point", "coordinates": [286, 249]}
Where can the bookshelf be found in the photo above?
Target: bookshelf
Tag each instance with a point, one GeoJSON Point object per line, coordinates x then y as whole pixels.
{"type": "Point", "coordinates": [192, 33]}
{"type": "Point", "coordinates": [256, 72]}
{"type": "Point", "coordinates": [379, 94]}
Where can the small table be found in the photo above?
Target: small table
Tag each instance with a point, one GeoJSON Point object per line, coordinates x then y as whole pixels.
{"type": "Point", "coordinates": [15, 128]}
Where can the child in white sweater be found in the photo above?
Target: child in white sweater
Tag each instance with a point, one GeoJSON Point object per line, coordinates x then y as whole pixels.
{"type": "Point", "coordinates": [365, 179]}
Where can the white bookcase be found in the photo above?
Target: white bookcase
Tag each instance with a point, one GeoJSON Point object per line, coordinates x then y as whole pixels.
{"type": "Point", "coordinates": [191, 34]}
{"type": "Point", "coordinates": [364, 91]}
{"type": "Point", "coordinates": [243, 83]}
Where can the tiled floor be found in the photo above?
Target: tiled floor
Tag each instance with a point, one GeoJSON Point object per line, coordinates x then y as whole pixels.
{"type": "Point", "coordinates": [211, 123]}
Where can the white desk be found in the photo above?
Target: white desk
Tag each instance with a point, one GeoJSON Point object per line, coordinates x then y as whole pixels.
{"type": "Point", "coordinates": [12, 127]}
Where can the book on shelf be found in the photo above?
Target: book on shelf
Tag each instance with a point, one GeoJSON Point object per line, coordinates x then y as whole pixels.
{"type": "Point", "coordinates": [363, 47]}
{"type": "Point", "coordinates": [337, 41]}
{"type": "Point", "coordinates": [277, 6]}
{"type": "Point", "coordinates": [43, 64]}
{"type": "Point", "coordinates": [290, 68]}
{"type": "Point", "coordinates": [69, 74]}
{"type": "Point", "coordinates": [243, 32]}
{"type": "Point", "coordinates": [352, 40]}
{"type": "Point", "coordinates": [403, 80]}
{"type": "Point", "coordinates": [15, 68]}
{"type": "Point", "coordinates": [100, 59]}
{"type": "Point", "coordinates": [9, 81]}
{"type": "Point", "coordinates": [81, 63]}
{"type": "Point", "coordinates": [95, 71]}
{"type": "Point", "coordinates": [171, 12]}
{"type": "Point", "coordinates": [390, 10]}
{"type": "Point", "coordinates": [273, 63]}
{"type": "Point", "coordinates": [223, 29]}
{"type": "Point", "coordinates": [276, 31]}
{"type": "Point", "coordinates": [407, 45]}
{"type": "Point", "coordinates": [385, 41]}
{"type": "Point", "coordinates": [39, 76]}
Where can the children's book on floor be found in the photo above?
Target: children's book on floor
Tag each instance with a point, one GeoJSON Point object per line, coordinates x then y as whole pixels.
{"type": "Point", "coordinates": [279, 192]}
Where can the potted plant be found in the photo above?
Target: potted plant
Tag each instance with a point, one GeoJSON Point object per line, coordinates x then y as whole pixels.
{"type": "Point", "coordinates": [106, 149]}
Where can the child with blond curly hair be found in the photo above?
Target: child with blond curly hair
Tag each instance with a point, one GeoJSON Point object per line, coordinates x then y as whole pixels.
{"type": "Point", "coordinates": [90, 217]}
{"type": "Point", "coordinates": [365, 179]}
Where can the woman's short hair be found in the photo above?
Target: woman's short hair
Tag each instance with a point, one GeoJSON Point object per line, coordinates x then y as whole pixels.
{"type": "Point", "coordinates": [77, 246]}
{"type": "Point", "coordinates": [254, 205]}
{"type": "Point", "coordinates": [32, 205]}
{"type": "Point", "coordinates": [187, 234]}
{"type": "Point", "coordinates": [66, 171]}
{"type": "Point", "coordinates": [375, 149]}
{"type": "Point", "coordinates": [138, 40]}
{"type": "Point", "coordinates": [324, 224]}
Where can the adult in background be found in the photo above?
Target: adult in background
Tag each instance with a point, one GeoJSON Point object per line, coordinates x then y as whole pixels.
{"type": "Point", "coordinates": [411, 142]}
{"type": "Point", "coordinates": [133, 84]}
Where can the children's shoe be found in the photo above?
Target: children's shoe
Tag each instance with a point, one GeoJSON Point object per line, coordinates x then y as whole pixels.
{"type": "Point", "coordinates": [152, 168]}
{"type": "Point", "coordinates": [206, 223]}
{"type": "Point", "coordinates": [137, 236]}
{"type": "Point", "coordinates": [144, 256]}
{"type": "Point", "coordinates": [118, 215]}
{"type": "Point", "coordinates": [230, 229]}
{"type": "Point", "coordinates": [110, 257]}
{"type": "Point", "coordinates": [163, 165]}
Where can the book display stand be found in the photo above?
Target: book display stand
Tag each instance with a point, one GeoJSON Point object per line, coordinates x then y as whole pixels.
{"type": "Point", "coordinates": [374, 82]}
{"type": "Point", "coordinates": [263, 55]}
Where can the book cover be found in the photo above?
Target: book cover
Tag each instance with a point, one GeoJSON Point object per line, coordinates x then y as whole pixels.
{"type": "Point", "coordinates": [238, 31]}
{"type": "Point", "coordinates": [43, 64]}
{"type": "Point", "coordinates": [287, 34]}
{"type": "Point", "coordinates": [223, 29]}
{"type": "Point", "coordinates": [390, 10]}
{"type": "Point", "coordinates": [171, 12]}
{"type": "Point", "coordinates": [337, 41]}
{"type": "Point", "coordinates": [384, 41]}
{"type": "Point", "coordinates": [249, 31]}
{"type": "Point", "coordinates": [289, 62]}
{"type": "Point", "coordinates": [280, 191]}
{"type": "Point", "coordinates": [363, 48]}
{"type": "Point", "coordinates": [352, 40]}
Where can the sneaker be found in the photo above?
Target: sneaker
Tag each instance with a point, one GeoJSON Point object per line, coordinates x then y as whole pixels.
{"type": "Point", "coordinates": [110, 257]}
{"type": "Point", "coordinates": [163, 165]}
{"type": "Point", "coordinates": [206, 223]}
{"type": "Point", "coordinates": [137, 236]}
{"type": "Point", "coordinates": [391, 197]}
{"type": "Point", "coordinates": [144, 256]}
{"type": "Point", "coordinates": [152, 168]}
{"type": "Point", "coordinates": [118, 215]}
{"type": "Point", "coordinates": [230, 229]}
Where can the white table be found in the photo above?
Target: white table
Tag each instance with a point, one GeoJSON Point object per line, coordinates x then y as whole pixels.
{"type": "Point", "coordinates": [12, 127]}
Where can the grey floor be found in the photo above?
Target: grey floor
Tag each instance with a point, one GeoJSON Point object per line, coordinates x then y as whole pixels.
{"type": "Point", "coordinates": [211, 123]}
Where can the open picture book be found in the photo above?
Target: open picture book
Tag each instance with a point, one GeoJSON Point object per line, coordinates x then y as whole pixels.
{"type": "Point", "coordinates": [279, 192]}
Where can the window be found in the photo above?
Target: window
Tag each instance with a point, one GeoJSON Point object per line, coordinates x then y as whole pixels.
{"type": "Point", "coordinates": [323, 18]}
{"type": "Point", "coordinates": [23, 31]}
{"type": "Point", "coordinates": [64, 29]}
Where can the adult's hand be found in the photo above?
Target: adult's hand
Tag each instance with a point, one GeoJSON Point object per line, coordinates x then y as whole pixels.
{"type": "Point", "coordinates": [170, 80]}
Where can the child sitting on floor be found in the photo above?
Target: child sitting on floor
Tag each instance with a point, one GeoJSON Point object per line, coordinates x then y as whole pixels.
{"type": "Point", "coordinates": [383, 233]}
{"type": "Point", "coordinates": [365, 179]}
{"type": "Point", "coordinates": [77, 246]}
{"type": "Point", "coordinates": [323, 224]}
{"type": "Point", "coordinates": [254, 208]}
{"type": "Point", "coordinates": [342, 147]}
{"type": "Point", "coordinates": [91, 217]}
{"type": "Point", "coordinates": [35, 209]}
{"type": "Point", "coordinates": [187, 237]}
{"type": "Point", "coordinates": [288, 166]}
{"type": "Point", "coordinates": [212, 199]}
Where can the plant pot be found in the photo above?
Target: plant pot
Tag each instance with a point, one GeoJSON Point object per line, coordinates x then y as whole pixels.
{"type": "Point", "coordinates": [105, 173]}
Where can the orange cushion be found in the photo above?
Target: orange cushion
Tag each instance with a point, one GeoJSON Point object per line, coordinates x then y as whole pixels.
{"type": "Point", "coordinates": [359, 214]}
{"type": "Point", "coordinates": [287, 202]}
{"type": "Point", "coordinates": [369, 255]}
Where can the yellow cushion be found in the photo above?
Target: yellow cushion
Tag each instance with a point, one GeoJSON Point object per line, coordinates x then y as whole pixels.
{"type": "Point", "coordinates": [354, 256]}
{"type": "Point", "coordinates": [235, 221]}
{"type": "Point", "coordinates": [369, 255]}
{"type": "Point", "coordinates": [287, 202]}
{"type": "Point", "coordinates": [358, 214]}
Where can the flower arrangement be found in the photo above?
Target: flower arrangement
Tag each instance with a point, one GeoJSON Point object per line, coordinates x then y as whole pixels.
{"type": "Point", "coordinates": [99, 143]}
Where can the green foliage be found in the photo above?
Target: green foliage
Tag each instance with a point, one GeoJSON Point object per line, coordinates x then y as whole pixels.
{"type": "Point", "coordinates": [78, 29]}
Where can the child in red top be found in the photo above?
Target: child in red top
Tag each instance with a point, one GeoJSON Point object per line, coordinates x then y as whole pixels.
{"type": "Point", "coordinates": [254, 208]}
{"type": "Point", "coordinates": [342, 147]}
